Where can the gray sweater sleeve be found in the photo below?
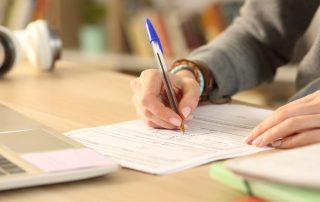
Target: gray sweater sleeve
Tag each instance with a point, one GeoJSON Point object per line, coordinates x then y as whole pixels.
{"type": "Point", "coordinates": [261, 39]}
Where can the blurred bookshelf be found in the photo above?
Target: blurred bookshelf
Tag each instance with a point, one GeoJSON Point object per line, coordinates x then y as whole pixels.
{"type": "Point", "coordinates": [115, 28]}
{"type": "Point", "coordinates": [182, 25]}
{"type": "Point", "coordinates": [111, 34]}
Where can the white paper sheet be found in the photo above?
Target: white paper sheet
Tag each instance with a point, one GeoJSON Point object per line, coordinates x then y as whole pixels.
{"type": "Point", "coordinates": [216, 132]}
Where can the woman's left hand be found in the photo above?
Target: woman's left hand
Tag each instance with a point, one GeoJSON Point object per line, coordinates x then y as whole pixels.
{"type": "Point", "coordinates": [292, 125]}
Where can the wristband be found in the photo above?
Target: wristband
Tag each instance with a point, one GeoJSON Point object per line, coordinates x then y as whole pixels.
{"type": "Point", "coordinates": [200, 79]}
{"type": "Point", "coordinates": [206, 74]}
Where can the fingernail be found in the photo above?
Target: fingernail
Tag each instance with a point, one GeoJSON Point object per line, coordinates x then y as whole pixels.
{"type": "Point", "coordinates": [175, 121]}
{"type": "Point", "coordinates": [257, 141]}
{"type": "Point", "coordinates": [247, 139]}
{"type": "Point", "coordinates": [276, 143]}
{"type": "Point", "coordinates": [189, 118]}
{"type": "Point", "coordinates": [186, 111]}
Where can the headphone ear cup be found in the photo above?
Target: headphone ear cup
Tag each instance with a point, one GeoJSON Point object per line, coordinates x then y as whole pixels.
{"type": "Point", "coordinates": [11, 51]}
{"type": "Point", "coordinates": [38, 48]}
{"type": "Point", "coordinates": [38, 43]}
{"type": "Point", "coordinates": [41, 45]}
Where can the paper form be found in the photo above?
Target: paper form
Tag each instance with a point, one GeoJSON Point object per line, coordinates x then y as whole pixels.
{"type": "Point", "coordinates": [216, 132]}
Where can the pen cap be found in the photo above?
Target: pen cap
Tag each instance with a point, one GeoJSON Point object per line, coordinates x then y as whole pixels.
{"type": "Point", "coordinates": [152, 34]}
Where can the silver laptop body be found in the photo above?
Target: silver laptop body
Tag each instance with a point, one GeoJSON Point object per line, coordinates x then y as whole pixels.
{"type": "Point", "coordinates": [22, 137]}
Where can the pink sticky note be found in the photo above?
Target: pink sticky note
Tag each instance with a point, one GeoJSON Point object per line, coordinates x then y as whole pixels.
{"type": "Point", "coordinates": [68, 159]}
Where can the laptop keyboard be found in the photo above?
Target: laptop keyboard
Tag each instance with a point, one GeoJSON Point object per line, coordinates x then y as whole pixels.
{"type": "Point", "coordinates": [8, 168]}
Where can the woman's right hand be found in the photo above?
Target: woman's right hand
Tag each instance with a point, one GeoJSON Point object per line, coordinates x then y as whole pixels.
{"type": "Point", "coordinates": [151, 102]}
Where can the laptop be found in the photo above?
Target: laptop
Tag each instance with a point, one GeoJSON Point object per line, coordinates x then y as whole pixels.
{"type": "Point", "coordinates": [32, 154]}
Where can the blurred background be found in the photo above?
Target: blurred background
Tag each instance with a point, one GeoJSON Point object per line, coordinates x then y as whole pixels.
{"type": "Point", "coordinates": [111, 34]}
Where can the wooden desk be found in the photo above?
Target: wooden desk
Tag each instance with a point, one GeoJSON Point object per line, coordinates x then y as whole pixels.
{"type": "Point", "coordinates": [76, 96]}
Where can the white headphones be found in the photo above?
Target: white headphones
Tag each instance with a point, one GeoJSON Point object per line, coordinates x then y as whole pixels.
{"type": "Point", "coordinates": [38, 43]}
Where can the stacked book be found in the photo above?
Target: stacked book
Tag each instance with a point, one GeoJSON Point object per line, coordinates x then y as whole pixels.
{"type": "Point", "coordinates": [16, 14]}
{"type": "Point", "coordinates": [286, 176]}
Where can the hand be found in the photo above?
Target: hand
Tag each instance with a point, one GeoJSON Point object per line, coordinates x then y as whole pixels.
{"type": "Point", "coordinates": [292, 125]}
{"type": "Point", "coordinates": [151, 102]}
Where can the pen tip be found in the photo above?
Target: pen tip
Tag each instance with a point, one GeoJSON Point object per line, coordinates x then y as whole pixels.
{"type": "Point", "coordinates": [182, 128]}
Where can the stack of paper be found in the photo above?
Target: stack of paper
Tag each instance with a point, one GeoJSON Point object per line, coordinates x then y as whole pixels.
{"type": "Point", "coordinates": [216, 132]}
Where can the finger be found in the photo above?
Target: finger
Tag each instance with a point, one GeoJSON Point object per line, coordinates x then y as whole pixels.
{"type": "Point", "coordinates": [159, 110]}
{"type": "Point", "coordinates": [305, 99]}
{"type": "Point", "coordinates": [298, 140]}
{"type": "Point", "coordinates": [279, 116]}
{"type": "Point", "coordinates": [148, 116]}
{"type": "Point", "coordinates": [148, 99]}
{"type": "Point", "coordinates": [151, 82]}
{"type": "Point", "coordinates": [288, 127]}
{"type": "Point", "coordinates": [150, 123]}
{"type": "Point", "coordinates": [190, 97]}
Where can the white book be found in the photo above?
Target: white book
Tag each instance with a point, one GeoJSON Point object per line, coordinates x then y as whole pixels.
{"type": "Point", "coordinates": [20, 14]}
{"type": "Point", "coordinates": [216, 132]}
{"type": "Point", "coordinates": [3, 7]}
{"type": "Point", "coordinates": [298, 167]}
{"type": "Point", "coordinates": [173, 21]}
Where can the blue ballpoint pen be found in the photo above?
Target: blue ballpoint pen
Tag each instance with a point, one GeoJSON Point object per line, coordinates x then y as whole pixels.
{"type": "Point", "coordinates": [158, 53]}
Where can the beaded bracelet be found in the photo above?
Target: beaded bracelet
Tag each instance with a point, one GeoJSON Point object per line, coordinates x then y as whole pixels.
{"type": "Point", "coordinates": [200, 78]}
{"type": "Point", "coordinates": [207, 76]}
